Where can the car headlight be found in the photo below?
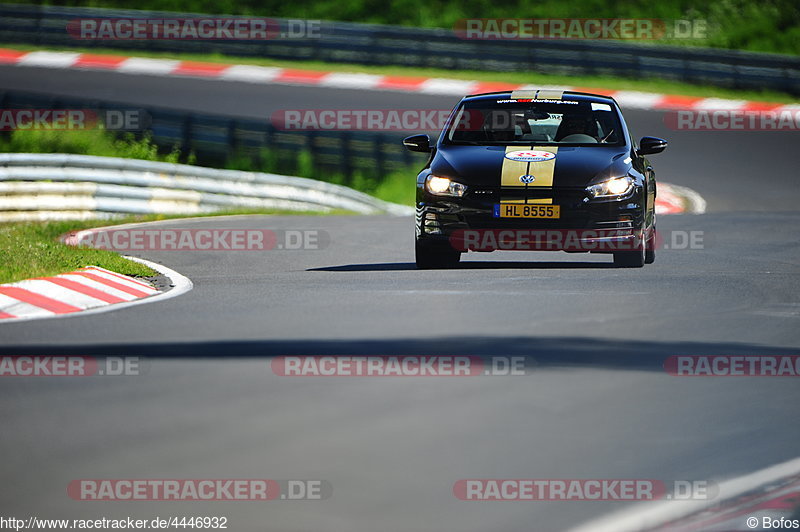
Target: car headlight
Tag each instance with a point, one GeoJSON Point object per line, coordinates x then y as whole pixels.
{"type": "Point", "coordinates": [613, 188]}
{"type": "Point", "coordinates": [443, 186]}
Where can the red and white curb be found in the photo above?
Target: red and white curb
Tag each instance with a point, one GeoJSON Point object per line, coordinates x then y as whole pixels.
{"type": "Point", "coordinates": [359, 81]}
{"type": "Point", "coordinates": [675, 199]}
{"type": "Point", "coordinates": [83, 291]}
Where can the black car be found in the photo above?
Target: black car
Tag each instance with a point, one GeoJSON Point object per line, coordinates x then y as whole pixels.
{"type": "Point", "coordinates": [536, 170]}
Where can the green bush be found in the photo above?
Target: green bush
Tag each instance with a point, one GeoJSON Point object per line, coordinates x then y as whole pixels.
{"type": "Point", "coordinates": [85, 142]}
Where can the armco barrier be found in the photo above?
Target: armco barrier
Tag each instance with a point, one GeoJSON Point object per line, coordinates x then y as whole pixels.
{"type": "Point", "coordinates": [48, 186]}
{"type": "Point", "coordinates": [372, 44]}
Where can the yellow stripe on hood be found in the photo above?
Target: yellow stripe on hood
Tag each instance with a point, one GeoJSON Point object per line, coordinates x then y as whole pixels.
{"type": "Point", "coordinates": [543, 171]}
{"type": "Point", "coordinates": [511, 170]}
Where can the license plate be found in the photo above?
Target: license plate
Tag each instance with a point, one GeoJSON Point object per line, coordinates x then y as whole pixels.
{"type": "Point", "coordinates": [522, 210]}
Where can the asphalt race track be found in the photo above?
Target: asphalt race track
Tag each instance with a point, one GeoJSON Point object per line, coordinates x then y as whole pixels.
{"type": "Point", "coordinates": [596, 401]}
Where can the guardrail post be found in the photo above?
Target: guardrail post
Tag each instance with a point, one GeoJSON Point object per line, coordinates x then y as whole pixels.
{"type": "Point", "coordinates": [231, 134]}
{"type": "Point", "coordinates": [380, 160]}
{"type": "Point", "coordinates": [347, 154]}
{"type": "Point", "coordinates": [39, 17]}
{"type": "Point", "coordinates": [186, 133]}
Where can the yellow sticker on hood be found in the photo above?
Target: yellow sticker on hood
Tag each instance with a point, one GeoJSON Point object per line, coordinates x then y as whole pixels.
{"type": "Point", "coordinates": [532, 167]}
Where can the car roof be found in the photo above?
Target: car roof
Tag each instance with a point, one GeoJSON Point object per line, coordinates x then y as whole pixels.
{"type": "Point", "coordinates": [545, 94]}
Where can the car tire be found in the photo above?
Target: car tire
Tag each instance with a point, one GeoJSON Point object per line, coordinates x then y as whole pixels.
{"type": "Point", "coordinates": [432, 257]}
{"type": "Point", "coordinates": [650, 248]}
{"type": "Point", "coordinates": [631, 259]}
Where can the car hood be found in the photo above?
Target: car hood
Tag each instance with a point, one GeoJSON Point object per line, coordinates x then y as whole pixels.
{"type": "Point", "coordinates": [572, 166]}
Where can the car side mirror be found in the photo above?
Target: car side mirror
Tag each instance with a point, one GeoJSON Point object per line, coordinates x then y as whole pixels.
{"type": "Point", "coordinates": [651, 145]}
{"type": "Point", "coordinates": [418, 143]}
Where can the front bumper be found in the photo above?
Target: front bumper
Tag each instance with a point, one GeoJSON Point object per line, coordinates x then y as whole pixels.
{"type": "Point", "coordinates": [584, 225]}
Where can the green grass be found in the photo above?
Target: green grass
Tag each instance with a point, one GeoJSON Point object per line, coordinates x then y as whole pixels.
{"type": "Point", "coordinates": [33, 249]}
{"type": "Point", "coordinates": [597, 82]}
{"type": "Point", "coordinates": [767, 26]}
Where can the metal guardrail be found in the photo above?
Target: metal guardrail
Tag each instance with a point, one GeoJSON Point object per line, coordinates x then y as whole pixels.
{"type": "Point", "coordinates": [214, 139]}
{"type": "Point", "coordinates": [394, 45]}
{"type": "Point", "coordinates": [46, 186]}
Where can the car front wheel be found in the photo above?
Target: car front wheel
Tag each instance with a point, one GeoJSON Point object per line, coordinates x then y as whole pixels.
{"type": "Point", "coordinates": [635, 258]}
{"type": "Point", "coordinates": [650, 251]}
{"type": "Point", "coordinates": [436, 257]}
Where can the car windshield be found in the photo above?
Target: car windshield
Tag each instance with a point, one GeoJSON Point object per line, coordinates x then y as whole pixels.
{"type": "Point", "coordinates": [524, 121]}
